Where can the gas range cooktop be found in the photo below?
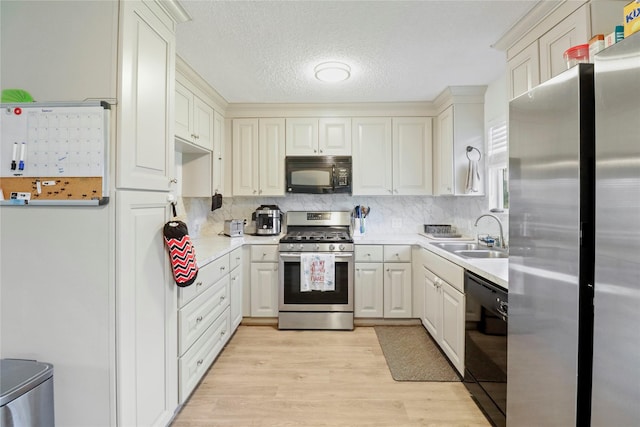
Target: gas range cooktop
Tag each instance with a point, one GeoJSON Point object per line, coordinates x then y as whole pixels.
{"type": "Point", "coordinates": [318, 231]}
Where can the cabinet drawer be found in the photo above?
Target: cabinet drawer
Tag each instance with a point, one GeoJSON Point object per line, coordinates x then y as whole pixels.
{"type": "Point", "coordinates": [193, 365]}
{"type": "Point", "coordinates": [196, 316]}
{"type": "Point", "coordinates": [266, 253]}
{"type": "Point", "coordinates": [368, 253]}
{"type": "Point", "coordinates": [235, 258]}
{"type": "Point", "coordinates": [397, 253]}
{"type": "Point", "coordinates": [445, 269]}
{"type": "Point", "coordinates": [207, 276]}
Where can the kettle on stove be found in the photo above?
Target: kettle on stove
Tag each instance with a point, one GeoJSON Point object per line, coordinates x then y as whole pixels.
{"type": "Point", "coordinates": [268, 220]}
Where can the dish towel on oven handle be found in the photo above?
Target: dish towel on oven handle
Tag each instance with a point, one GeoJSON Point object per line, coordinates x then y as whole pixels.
{"type": "Point", "coordinates": [317, 272]}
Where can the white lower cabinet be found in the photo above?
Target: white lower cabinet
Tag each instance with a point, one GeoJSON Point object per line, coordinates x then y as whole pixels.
{"type": "Point", "coordinates": [368, 290]}
{"type": "Point", "coordinates": [236, 287]}
{"type": "Point", "coordinates": [443, 313]}
{"type": "Point", "coordinates": [382, 284]}
{"type": "Point", "coordinates": [195, 362]}
{"type": "Point", "coordinates": [264, 280]}
{"type": "Point", "coordinates": [204, 322]}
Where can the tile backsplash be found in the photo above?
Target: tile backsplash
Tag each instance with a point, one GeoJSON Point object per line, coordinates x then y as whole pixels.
{"type": "Point", "coordinates": [389, 214]}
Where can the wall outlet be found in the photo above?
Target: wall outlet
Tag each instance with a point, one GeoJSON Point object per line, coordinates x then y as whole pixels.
{"type": "Point", "coordinates": [396, 222]}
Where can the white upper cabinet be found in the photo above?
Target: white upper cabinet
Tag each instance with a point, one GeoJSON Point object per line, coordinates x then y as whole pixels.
{"type": "Point", "coordinates": [372, 151]}
{"type": "Point", "coordinates": [535, 48]}
{"type": "Point", "coordinates": [318, 137]}
{"type": "Point", "coordinates": [523, 71]}
{"type": "Point", "coordinates": [412, 154]}
{"type": "Point", "coordinates": [218, 155]}
{"type": "Point", "coordinates": [258, 157]}
{"type": "Point", "coordinates": [194, 118]}
{"type": "Point", "coordinates": [572, 31]}
{"type": "Point", "coordinates": [458, 126]}
{"type": "Point", "coordinates": [392, 156]}
{"type": "Point", "coordinates": [145, 154]}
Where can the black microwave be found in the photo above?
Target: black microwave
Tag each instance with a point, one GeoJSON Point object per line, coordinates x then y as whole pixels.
{"type": "Point", "coordinates": [318, 174]}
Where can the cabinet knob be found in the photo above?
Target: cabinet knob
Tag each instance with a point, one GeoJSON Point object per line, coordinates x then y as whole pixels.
{"type": "Point", "coordinates": [260, 192]}
{"type": "Point", "coordinates": [200, 362]}
{"type": "Point", "coordinates": [254, 191]}
{"type": "Point", "coordinates": [199, 319]}
{"type": "Point", "coordinates": [174, 181]}
{"type": "Point", "coordinates": [390, 191]}
{"type": "Point", "coordinates": [395, 191]}
{"type": "Point", "coordinates": [198, 284]}
{"type": "Point", "coordinates": [321, 151]}
{"type": "Point", "coordinates": [222, 268]}
{"type": "Point", "coordinates": [193, 135]}
{"type": "Point", "coordinates": [315, 151]}
{"type": "Point", "coordinates": [222, 298]}
{"type": "Point", "coordinates": [222, 333]}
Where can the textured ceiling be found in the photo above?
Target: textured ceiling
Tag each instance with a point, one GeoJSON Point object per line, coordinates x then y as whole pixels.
{"type": "Point", "coordinates": [265, 51]}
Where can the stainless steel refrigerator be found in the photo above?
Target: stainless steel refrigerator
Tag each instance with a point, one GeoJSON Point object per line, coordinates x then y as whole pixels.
{"type": "Point", "coordinates": [574, 150]}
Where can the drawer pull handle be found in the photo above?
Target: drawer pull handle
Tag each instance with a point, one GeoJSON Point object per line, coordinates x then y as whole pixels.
{"type": "Point", "coordinates": [199, 319]}
{"type": "Point", "coordinates": [200, 362]}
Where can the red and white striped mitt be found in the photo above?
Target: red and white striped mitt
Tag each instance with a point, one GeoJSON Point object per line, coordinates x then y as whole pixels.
{"type": "Point", "coordinates": [181, 252]}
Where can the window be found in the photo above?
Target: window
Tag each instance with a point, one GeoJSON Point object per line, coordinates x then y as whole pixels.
{"type": "Point", "coordinates": [498, 165]}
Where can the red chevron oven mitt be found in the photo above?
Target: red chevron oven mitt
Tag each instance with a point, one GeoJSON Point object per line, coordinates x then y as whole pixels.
{"type": "Point", "coordinates": [181, 252]}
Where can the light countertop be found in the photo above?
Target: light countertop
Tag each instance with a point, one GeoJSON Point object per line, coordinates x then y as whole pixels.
{"type": "Point", "coordinates": [208, 248]}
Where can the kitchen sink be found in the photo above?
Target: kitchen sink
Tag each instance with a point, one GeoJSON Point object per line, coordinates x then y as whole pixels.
{"type": "Point", "coordinates": [456, 246]}
{"type": "Point", "coordinates": [471, 250]}
{"type": "Point", "coordinates": [482, 253]}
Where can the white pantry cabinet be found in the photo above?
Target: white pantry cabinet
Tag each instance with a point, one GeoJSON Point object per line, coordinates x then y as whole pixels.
{"type": "Point", "coordinates": [392, 156]}
{"type": "Point", "coordinates": [258, 157]}
{"type": "Point", "coordinates": [147, 385]}
{"type": "Point", "coordinates": [318, 137]}
{"type": "Point", "coordinates": [264, 280]}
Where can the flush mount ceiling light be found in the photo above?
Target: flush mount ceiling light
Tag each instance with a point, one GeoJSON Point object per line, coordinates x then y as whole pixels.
{"type": "Point", "coordinates": [332, 72]}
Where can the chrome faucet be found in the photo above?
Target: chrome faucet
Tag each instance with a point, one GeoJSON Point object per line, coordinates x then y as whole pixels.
{"type": "Point", "coordinates": [502, 242]}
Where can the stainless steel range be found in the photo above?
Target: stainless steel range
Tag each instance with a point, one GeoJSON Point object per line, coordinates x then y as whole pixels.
{"type": "Point", "coordinates": [316, 271]}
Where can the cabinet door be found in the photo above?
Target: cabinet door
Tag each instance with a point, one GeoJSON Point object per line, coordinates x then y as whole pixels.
{"type": "Point", "coordinates": [368, 290]}
{"type": "Point", "coordinates": [572, 31]}
{"type": "Point", "coordinates": [145, 154]}
{"type": "Point", "coordinates": [334, 137]}
{"type": "Point", "coordinates": [432, 314]}
{"type": "Point", "coordinates": [302, 137]}
{"type": "Point", "coordinates": [146, 308]}
{"type": "Point", "coordinates": [272, 146]}
{"type": "Point", "coordinates": [183, 112]}
{"type": "Point", "coordinates": [245, 157]}
{"type": "Point", "coordinates": [236, 297]}
{"type": "Point", "coordinates": [372, 151]}
{"type": "Point", "coordinates": [524, 71]}
{"type": "Point", "coordinates": [202, 123]}
{"type": "Point", "coordinates": [397, 290]}
{"type": "Point", "coordinates": [453, 323]}
{"type": "Point", "coordinates": [412, 154]}
{"type": "Point", "coordinates": [217, 167]}
{"type": "Point", "coordinates": [264, 289]}
{"type": "Point", "coordinates": [443, 154]}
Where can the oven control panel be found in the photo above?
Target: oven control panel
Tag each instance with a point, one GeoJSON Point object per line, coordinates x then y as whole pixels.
{"type": "Point", "coordinates": [318, 216]}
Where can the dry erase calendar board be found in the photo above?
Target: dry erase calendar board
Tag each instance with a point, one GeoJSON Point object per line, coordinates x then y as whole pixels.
{"type": "Point", "coordinates": [54, 153]}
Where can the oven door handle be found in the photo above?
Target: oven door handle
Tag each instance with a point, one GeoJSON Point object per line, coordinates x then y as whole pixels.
{"type": "Point", "coordinates": [296, 255]}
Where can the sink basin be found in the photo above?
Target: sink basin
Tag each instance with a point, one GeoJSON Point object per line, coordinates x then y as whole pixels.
{"type": "Point", "coordinates": [456, 246]}
{"type": "Point", "coordinates": [471, 250]}
{"type": "Point", "coordinates": [482, 253]}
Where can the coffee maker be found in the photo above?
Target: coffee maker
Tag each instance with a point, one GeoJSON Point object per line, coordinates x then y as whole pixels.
{"type": "Point", "coordinates": [268, 220]}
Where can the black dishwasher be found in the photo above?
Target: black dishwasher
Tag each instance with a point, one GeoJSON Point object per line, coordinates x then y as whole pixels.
{"type": "Point", "coordinates": [485, 358]}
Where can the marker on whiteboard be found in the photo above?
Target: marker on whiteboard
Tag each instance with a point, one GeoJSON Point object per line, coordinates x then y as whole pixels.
{"type": "Point", "coordinates": [15, 153]}
{"type": "Point", "coordinates": [21, 164]}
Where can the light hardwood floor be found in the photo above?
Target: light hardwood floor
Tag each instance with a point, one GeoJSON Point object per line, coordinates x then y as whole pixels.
{"type": "Point", "coordinates": [267, 377]}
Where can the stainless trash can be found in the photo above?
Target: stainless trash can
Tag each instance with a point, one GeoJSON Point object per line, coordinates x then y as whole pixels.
{"type": "Point", "coordinates": [26, 393]}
